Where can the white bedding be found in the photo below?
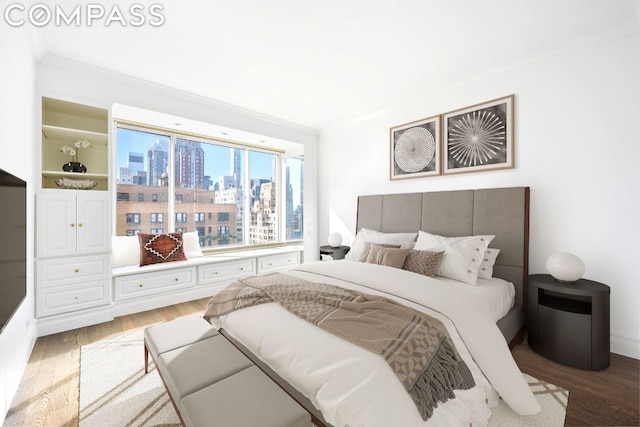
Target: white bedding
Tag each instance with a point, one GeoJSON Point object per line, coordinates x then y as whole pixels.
{"type": "Point", "coordinates": [353, 387]}
{"type": "Point", "coordinates": [497, 294]}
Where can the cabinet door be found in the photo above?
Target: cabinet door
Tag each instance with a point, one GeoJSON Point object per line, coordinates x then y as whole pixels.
{"type": "Point", "coordinates": [56, 225]}
{"type": "Point", "coordinates": [92, 223]}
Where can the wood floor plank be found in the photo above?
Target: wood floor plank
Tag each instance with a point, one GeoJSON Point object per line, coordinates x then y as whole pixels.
{"type": "Point", "coordinates": [48, 392]}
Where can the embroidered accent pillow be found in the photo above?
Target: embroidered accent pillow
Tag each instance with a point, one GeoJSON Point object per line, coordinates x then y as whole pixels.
{"type": "Point", "coordinates": [157, 248]}
{"type": "Point", "coordinates": [423, 262]}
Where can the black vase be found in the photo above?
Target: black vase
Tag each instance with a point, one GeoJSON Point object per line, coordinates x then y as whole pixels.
{"type": "Point", "coordinates": [74, 167]}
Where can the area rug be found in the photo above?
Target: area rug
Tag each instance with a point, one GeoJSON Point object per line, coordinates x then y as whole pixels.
{"type": "Point", "coordinates": [114, 391]}
{"type": "Point", "coordinates": [552, 398]}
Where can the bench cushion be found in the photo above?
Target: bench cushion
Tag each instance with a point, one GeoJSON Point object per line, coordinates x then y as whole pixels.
{"type": "Point", "coordinates": [193, 367]}
{"type": "Point", "coordinates": [177, 333]}
{"type": "Point", "coordinates": [247, 399]}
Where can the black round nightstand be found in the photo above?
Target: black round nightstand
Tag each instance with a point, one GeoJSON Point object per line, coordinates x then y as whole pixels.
{"type": "Point", "coordinates": [336, 252]}
{"type": "Point", "coordinates": [569, 322]}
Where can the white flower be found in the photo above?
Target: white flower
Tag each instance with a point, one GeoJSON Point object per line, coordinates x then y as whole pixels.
{"type": "Point", "coordinates": [73, 150]}
{"type": "Point", "coordinates": [82, 143]}
{"type": "Point", "coordinates": [68, 150]}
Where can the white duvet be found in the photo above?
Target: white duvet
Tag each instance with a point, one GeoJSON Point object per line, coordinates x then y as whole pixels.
{"type": "Point", "coordinates": [354, 387]}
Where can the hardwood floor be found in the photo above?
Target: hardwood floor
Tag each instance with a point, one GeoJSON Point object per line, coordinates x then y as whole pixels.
{"type": "Point", "coordinates": [48, 393]}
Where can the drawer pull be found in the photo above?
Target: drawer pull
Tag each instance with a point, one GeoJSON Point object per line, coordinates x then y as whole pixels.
{"type": "Point", "coordinates": [176, 279]}
{"type": "Point", "coordinates": [270, 263]}
{"type": "Point", "coordinates": [140, 285]}
{"type": "Point", "coordinates": [80, 225]}
{"type": "Point", "coordinates": [77, 270]}
{"type": "Point", "coordinates": [75, 297]}
{"type": "Point", "coordinates": [215, 272]}
{"type": "Point", "coordinates": [72, 225]}
{"type": "Point", "coordinates": [241, 268]}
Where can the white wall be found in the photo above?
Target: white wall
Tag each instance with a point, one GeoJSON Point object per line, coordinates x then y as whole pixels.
{"type": "Point", "coordinates": [67, 80]}
{"type": "Point", "coordinates": [16, 156]}
{"type": "Point", "coordinates": [576, 120]}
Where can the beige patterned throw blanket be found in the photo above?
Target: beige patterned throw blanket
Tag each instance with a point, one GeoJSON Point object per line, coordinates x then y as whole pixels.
{"type": "Point", "coordinates": [416, 346]}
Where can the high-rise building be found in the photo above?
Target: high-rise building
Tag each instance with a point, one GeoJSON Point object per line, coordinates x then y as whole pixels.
{"type": "Point", "coordinates": [236, 167]}
{"type": "Point", "coordinates": [189, 164]}
{"type": "Point", "coordinates": [157, 159]}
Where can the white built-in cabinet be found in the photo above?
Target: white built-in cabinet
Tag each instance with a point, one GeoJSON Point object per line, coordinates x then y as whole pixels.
{"type": "Point", "coordinates": [73, 271]}
{"type": "Point", "coordinates": [73, 227]}
{"type": "Point", "coordinates": [72, 223]}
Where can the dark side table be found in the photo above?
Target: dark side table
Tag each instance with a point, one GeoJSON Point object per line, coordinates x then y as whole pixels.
{"type": "Point", "coordinates": [336, 252]}
{"type": "Point", "coordinates": [569, 322]}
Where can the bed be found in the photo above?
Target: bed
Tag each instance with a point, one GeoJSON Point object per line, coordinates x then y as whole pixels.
{"type": "Point", "coordinates": [343, 384]}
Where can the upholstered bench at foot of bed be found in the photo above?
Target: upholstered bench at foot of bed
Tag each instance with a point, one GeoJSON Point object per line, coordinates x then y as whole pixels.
{"type": "Point", "coordinates": [211, 383]}
{"type": "Point", "coordinates": [168, 336]}
{"type": "Point", "coordinates": [248, 398]}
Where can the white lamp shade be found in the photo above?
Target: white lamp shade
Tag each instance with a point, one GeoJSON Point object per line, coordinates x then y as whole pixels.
{"type": "Point", "coordinates": [565, 267]}
{"type": "Point", "coordinates": [334, 239]}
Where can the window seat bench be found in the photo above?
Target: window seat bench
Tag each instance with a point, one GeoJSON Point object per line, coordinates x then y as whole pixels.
{"type": "Point", "coordinates": [143, 288]}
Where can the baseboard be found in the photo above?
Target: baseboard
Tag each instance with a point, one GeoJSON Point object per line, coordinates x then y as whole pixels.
{"type": "Point", "coordinates": [77, 319]}
{"type": "Point", "coordinates": [625, 345]}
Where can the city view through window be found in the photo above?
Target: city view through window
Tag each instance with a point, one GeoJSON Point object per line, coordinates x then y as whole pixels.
{"type": "Point", "coordinates": [228, 194]}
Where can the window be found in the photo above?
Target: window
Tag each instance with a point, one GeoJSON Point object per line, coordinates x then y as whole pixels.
{"type": "Point", "coordinates": [133, 218]}
{"type": "Point", "coordinates": [293, 198]}
{"type": "Point", "coordinates": [156, 217]}
{"type": "Point", "coordinates": [157, 230]}
{"type": "Point", "coordinates": [132, 232]}
{"type": "Point", "coordinates": [181, 217]}
{"type": "Point", "coordinates": [205, 185]}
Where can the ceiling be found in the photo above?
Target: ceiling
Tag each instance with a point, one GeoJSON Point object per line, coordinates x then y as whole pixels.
{"type": "Point", "coordinates": [322, 63]}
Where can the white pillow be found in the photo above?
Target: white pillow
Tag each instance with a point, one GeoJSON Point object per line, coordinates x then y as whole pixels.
{"type": "Point", "coordinates": [462, 255]}
{"type": "Point", "coordinates": [125, 250]}
{"type": "Point", "coordinates": [191, 243]}
{"type": "Point", "coordinates": [360, 249]}
{"type": "Point", "coordinates": [486, 266]}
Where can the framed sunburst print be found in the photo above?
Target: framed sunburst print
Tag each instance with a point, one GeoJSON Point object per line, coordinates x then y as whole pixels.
{"type": "Point", "coordinates": [479, 137]}
{"type": "Point", "coordinates": [415, 149]}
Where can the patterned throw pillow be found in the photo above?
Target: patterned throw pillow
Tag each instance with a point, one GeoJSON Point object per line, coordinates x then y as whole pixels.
{"type": "Point", "coordinates": [423, 262]}
{"type": "Point", "coordinates": [156, 248]}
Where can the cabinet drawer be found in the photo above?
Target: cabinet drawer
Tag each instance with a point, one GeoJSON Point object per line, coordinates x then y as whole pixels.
{"type": "Point", "coordinates": [278, 262]}
{"type": "Point", "coordinates": [226, 270]}
{"type": "Point", "coordinates": [56, 272]}
{"type": "Point", "coordinates": [68, 298]}
{"type": "Point", "coordinates": [139, 285]}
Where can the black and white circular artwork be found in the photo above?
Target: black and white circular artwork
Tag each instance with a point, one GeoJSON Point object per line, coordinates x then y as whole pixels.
{"type": "Point", "coordinates": [414, 150]}
{"type": "Point", "coordinates": [477, 138]}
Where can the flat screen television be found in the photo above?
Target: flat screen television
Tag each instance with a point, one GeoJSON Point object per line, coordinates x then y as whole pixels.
{"type": "Point", "coordinates": [13, 245]}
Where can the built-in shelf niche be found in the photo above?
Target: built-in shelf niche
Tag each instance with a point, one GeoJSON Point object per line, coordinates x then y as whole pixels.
{"type": "Point", "coordinates": [63, 123]}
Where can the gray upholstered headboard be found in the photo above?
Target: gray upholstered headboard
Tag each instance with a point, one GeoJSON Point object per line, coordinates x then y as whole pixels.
{"type": "Point", "coordinates": [503, 212]}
